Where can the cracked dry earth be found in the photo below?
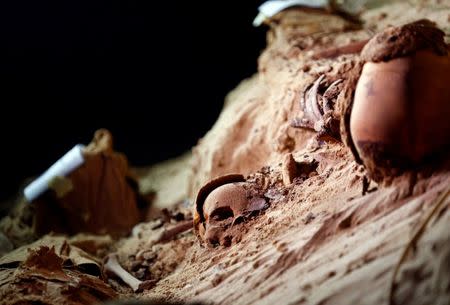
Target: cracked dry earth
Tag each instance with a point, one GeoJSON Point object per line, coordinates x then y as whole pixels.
{"type": "Point", "coordinates": [326, 235]}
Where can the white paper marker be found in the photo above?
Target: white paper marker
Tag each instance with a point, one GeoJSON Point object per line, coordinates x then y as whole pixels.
{"type": "Point", "coordinates": [270, 8]}
{"type": "Point", "coordinates": [64, 166]}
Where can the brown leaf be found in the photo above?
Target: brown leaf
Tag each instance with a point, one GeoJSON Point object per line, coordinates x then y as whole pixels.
{"type": "Point", "coordinates": [42, 278]}
{"type": "Point", "coordinates": [71, 256]}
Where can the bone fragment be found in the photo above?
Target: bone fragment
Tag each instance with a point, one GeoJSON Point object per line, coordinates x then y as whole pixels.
{"type": "Point", "coordinates": [113, 266]}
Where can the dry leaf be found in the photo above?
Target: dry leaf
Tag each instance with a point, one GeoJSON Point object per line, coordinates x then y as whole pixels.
{"type": "Point", "coordinates": [43, 279]}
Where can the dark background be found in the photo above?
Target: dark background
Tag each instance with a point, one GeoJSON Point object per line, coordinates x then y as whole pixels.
{"type": "Point", "coordinates": [154, 73]}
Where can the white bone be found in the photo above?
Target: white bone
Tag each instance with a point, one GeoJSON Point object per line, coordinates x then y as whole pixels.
{"type": "Point", "coordinates": [64, 166]}
{"type": "Point", "coordinates": [113, 266]}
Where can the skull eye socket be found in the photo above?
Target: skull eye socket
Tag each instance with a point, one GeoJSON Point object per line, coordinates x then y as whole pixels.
{"type": "Point", "coordinates": [222, 213]}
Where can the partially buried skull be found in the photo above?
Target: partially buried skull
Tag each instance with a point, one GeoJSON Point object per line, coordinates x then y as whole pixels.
{"type": "Point", "coordinates": [221, 206]}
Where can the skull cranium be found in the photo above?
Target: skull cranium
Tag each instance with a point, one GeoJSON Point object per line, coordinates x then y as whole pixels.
{"type": "Point", "coordinates": [221, 205]}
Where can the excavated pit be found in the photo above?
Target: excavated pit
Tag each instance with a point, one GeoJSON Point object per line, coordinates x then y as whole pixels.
{"type": "Point", "coordinates": [328, 234]}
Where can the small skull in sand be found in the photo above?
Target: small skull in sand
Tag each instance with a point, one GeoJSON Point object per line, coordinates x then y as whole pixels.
{"type": "Point", "coordinates": [222, 206]}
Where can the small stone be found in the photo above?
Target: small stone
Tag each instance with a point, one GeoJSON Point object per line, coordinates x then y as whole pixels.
{"type": "Point", "coordinates": [289, 169]}
{"type": "Point", "coordinates": [310, 217]}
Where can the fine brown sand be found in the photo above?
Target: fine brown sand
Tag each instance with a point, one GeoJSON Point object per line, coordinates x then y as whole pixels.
{"type": "Point", "coordinates": [328, 235]}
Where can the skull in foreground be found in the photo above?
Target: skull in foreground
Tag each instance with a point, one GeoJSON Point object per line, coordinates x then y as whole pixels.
{"type": "Point", "coordinates": [222, 206]}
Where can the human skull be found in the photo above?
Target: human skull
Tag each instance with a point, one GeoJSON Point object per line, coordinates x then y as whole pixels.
{"type": "Point", "coordinates": [221, 205]}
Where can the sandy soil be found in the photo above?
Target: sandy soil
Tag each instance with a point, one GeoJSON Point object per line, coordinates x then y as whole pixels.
{"type": "Point", "coordinates": [326, 235]}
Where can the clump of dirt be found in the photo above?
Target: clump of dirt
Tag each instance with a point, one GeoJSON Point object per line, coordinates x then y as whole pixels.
{"type": "Point", "coordinates": [402, 41]}
{"type": "Point", "coordinates": [17, 227]}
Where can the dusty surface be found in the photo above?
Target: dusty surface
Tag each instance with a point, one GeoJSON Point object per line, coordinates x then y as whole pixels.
{"type": "Point", "coordinates": [255, 127]}
{"type": "Point", "coordinates": [321, 241]}
{"type": "Point", "coordinates": [167, 182]}
{"type": "Point", "coordinates": [327, 235]}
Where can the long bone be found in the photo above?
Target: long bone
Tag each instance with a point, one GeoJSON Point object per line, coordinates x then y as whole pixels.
{"type": "Point", "coordinates": [113, 266]}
